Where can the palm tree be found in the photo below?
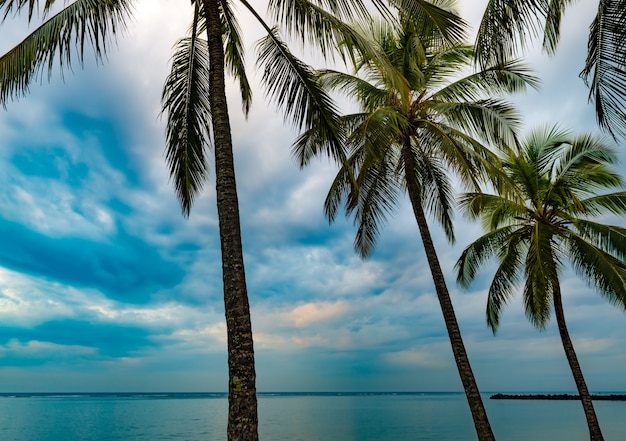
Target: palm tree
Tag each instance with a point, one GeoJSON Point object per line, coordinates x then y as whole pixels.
{"type": "Point", "coordinates": [538, 219]}
{"type": "Point", "coordinates": [195, 102]}
{"type": "Point", "coordinates": [507, 25]}
{"type": "Point", "coordinates": [419, 120]}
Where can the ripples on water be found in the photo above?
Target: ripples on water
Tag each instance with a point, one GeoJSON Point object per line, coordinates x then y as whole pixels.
{"type": "Point", "coordinates": [294, 417]}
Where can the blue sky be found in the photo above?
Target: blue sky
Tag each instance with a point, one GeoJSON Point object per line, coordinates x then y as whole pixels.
{"type": "Point", "coordinates": [104, 286]}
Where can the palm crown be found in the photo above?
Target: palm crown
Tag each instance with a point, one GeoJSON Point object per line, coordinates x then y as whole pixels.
{"type": "Point", "coordinates": [416, 103]}
{"type": "Point", "coordinates": [540, 218]}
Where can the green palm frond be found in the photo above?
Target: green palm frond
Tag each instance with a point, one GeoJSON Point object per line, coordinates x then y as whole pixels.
{"type": "Point", "coordinates": [16, 6]}
{"type": "Point", "coordinates": [601, 270]}
{"type": "Point", "coordinates": [378, 186]}
{"type": "Point", "coordinates": [504, 27]}
{"type": "Point", "coordinates": [608, 238]}
{"type": "Point", "coordinates": [493, 120]}
{"type": "Point", "coordinates": [95, 22]}
{"type": "Point", "coordinates": [234, 53]}
{"type": "Point", "coordinates": [368, 95]}
{"type": "Point", "coordinates": [437, 191]}
{"type": "Point", "coordinates": [541, 268]}
{"type": "Point", "coordinates": [294, 87]}
{"type": "Point", "coordinates": [552, 30]}
{"type": "Point", "coordinates": [185, 99]}
{"type": "Point", "coordinates": [512, 77]}
{"type": "Point", "coordinates": [315, 25]}
{"type": "Point", "coordinates": [614, 203]}
{"type": "Point", "coordinates": [479, 252]}
{"type": "Point", "coordinates": [605, 67]}
{"type": "Point", "coordinates": [510, 254]}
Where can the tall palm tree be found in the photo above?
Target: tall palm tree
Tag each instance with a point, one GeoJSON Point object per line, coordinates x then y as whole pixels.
{"type": "Point", "coordinates": [539, 219]}
{"type": "Point", "coordinates": [507, 25]}
{"type": "Point", "coordinates": [195, 102]}
{"type": "Point", "coordinates": [418, 122]}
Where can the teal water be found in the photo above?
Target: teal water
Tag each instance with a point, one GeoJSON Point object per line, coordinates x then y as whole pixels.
{"type": "Point", "coordinates": [295, 417]}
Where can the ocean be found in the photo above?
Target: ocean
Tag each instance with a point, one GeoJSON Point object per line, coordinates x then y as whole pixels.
{"type": "Point", "coordinates": [295, 417]}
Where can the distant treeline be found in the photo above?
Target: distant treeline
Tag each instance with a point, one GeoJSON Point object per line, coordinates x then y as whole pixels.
{"type": "Point", "coordinates": [611, 397]}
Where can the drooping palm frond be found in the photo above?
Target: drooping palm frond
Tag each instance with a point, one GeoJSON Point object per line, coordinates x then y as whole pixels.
{"type": "Point", "coordinates": [608, 238]}
{"type": "Point", "coordinates": [552, 30]}
{"type": "Point", "coordinates": [293, 87]}
{"type": "Point", "coordinates": [541, 266]}
{"type": "Point", "coordinates": [437, 193]}
{"type": "Point", "coordinates": [185, 100]}
{"type": "Point", "coordinates": [511, 261]}
{"type": "Point", "coordinates": [95, 22]}
{"type": "Point", "coordinates": [504, 27]}
{"type": "Point", "coordinates": [313, 24]}
{"type": "Point", "coordinates": [478, 252]}
{"type": "Point", "coordinates": [605, 67]}
{"type": "Point", "coordinates": [600, 269]}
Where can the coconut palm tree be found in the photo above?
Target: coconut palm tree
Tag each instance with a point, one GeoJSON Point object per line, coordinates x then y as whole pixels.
{"type": "Point", "coordinates": [195, 102]}
{"type": "Point", "coordinates": [539, 219]}
{"type": "Point", "coordinates": [507, 25]}
{"type": "Point", "coordinates": [418, 122]}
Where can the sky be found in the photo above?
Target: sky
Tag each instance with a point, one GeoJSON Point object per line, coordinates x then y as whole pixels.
{"type": "Point", "coordinates": [105, 286]}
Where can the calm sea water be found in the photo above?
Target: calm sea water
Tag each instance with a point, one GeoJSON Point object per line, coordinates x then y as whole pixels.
{"type": "Point", "coordinates": [295, 417]}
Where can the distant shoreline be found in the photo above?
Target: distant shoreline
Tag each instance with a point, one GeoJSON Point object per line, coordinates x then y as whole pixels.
{"type": "Point", "coordinates": [608, 397]}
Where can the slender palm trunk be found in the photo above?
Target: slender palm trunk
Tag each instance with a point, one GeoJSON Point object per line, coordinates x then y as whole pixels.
{"type": "Point", "coordinates": [242, 402]}
{"type": "Point", "coordinates": [481, 422]}
{"type": "Point", "coordinates": [592, 420]}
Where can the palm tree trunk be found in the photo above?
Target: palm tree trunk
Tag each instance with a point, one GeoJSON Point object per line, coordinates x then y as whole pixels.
{"type": "Point", "coordinates": [242, 401]}
{"type": "Point", "coordinates": [479, 415]}
{"type": "Point", "coordinates": [592, 420]}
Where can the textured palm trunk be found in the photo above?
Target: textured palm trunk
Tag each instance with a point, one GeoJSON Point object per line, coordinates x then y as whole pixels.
{"type": "Point", "coordinates": [592, 420]}
{"type": "Point", "coordinates": [242, 401]}
{"type": "Point", "coordinates": [479, 415]}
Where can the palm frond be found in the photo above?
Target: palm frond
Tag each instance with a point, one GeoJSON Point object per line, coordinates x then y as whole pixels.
{"type": "Point", "coordinates": [512, 77]}
{"type": "Point", "coordinates": [234, 53]}
{"type": "Point", "coordinates": [16, 6]}
{"type": "Point", "coordinates": [319, 27]}
{"type": "Point", "coordinates": [605, 67]}
{"type": "Point", "coordinates": [506, 277]}
{"type": "Point", "coordinates": [437, 191]}
{"type": "Point", "coordinates": [92, 21]}
{"type": "Point", "coordinates": [607, 203]}
{"type": "Point", "coordinates": [541, 273]}
{"type": "Point", "coordinates": [374, 196]}
{"type": "Point", "coordinates": [493, 120]}
{"type": "Point", "coordinates": [504, 28]}
{"type": "Point", "coordinates": [600, 269]}
{"type": "Point", "coordinates": [552, 31]}
{"type": "Point", "coordinates": [293, 86]}
{"type": "Point", "coordinates": [436, 19]}
{"type": "Point", "coordinates": [608, 238]}
{"type": "Point", "coordinates": [185, 99]}
{"type": "Point", "coordinates": [479, 252]}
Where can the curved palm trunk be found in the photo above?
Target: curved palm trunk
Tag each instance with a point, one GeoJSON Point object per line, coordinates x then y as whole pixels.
{"type": "Point", "coordinates": [592, 420]}
{"type": "Point", "coordinates": [479, 415]}
{"type": "Point", "coordinates": [242, 402]}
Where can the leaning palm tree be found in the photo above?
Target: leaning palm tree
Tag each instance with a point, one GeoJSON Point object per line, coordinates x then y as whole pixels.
{"type": "Point", "coordinates": [507, 25]}
{"type": "Point", "coordinates": [195, 102]}
{"type": "Point", "coordinates": [418, 121]}
{"type": "Point", "coordinates": [539, 219]}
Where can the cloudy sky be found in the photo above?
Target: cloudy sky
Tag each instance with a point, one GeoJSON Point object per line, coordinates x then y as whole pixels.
{"type": "Point", "coordinates": [104, 286]}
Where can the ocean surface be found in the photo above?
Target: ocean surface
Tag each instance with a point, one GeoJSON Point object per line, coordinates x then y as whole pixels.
{"type": "Point", "coordinates": [296, 417]}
